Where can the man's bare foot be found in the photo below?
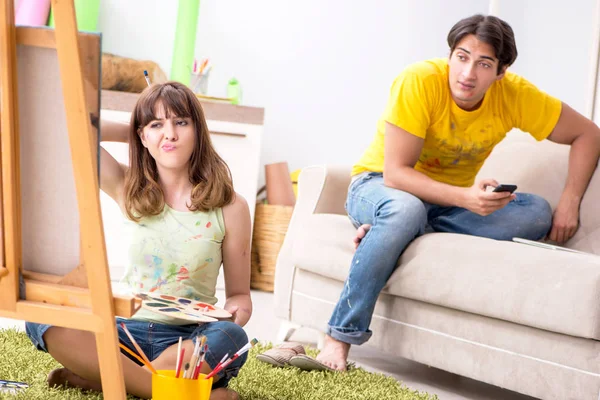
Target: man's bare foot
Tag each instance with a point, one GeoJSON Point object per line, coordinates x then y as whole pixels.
{"type": "Point", "coordinates": [224, 394]}
{"type": "Point", "coordinates": [64, 377]}
{"type": "Point", "coordinates": [334, 353]}
{"type": "Point", "coordinates": [361, 232]}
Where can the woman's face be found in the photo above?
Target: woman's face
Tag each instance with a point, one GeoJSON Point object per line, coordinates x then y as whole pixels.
{"type": "Point", "coordinates": [170, 140]}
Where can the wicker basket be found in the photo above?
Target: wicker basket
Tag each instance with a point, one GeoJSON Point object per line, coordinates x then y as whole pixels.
{"type": "Point", "coordinates": [270, 225]}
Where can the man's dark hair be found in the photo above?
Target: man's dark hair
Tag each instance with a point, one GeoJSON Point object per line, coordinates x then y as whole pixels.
{"type": "Point", "coordinates": [491, 30]}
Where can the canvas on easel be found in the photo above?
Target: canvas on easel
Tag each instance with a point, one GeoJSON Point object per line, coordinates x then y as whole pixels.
{"type": "Point", "coordinates": [54, 266]}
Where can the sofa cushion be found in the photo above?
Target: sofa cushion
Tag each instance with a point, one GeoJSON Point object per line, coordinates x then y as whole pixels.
{"type": "Point", "coordinates": [547, 289]}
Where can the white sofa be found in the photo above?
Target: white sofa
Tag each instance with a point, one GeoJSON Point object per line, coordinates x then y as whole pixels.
{"type": "Point", "coordinates": [512, 315]}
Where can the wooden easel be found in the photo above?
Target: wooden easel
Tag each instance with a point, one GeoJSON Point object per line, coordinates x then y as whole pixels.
{"type": "Point", "coordinates": [86, 303]}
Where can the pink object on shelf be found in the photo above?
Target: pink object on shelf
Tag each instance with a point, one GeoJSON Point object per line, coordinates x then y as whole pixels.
{"type": "Point", "coordinates": [32, 12]}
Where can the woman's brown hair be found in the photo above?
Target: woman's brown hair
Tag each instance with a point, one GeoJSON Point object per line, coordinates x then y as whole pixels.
{"type": "Point", "coordinates": [209, 174]}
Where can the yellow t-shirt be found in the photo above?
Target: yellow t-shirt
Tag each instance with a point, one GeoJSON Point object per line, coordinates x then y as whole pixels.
{"type": "Point", "coordinates": [457, 142]}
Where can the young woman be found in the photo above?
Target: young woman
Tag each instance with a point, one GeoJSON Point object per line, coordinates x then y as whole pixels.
{"type": "Point", "coordinates": [186, 219]}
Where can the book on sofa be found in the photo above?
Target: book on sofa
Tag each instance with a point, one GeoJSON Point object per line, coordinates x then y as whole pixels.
{"type": "Point", "coordinates": [547, 245]}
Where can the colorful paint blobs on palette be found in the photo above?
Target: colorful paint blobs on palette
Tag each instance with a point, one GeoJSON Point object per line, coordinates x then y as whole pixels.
{"type": "Point", "coordinates": [204, 306]}
{"type": "Point", "coordinates": [179, 307]}
{"type": "Point", "coordinates": [143, 296]}
{"type": "Point", "coordinates": [157, 304]}
{"type": "Point", "coordinates": [171, 309]}
{"type": "Point", "coordinates": [211, 311]}
{"type": "Point", "coordinates": [204, 318]}
{"type": "Point", "coordinates": [179, 312]}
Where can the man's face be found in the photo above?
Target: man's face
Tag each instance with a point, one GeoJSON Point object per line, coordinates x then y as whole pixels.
{"type": "Point", "coordinates": [473, 69]}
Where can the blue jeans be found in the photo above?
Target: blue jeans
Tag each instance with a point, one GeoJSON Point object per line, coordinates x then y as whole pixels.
{"type": "Point", "coordinates": [222, 337]}
{"type": "Point", "coordinates": [397, 218]}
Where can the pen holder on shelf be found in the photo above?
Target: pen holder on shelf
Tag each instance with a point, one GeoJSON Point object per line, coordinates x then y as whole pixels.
{"type": "Point", "coordinates": [166, 387]}
{"type": "Point", "coordinates": [199, 83]}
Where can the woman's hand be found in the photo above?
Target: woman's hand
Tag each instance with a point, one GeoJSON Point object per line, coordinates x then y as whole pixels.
{"type": "Point", "coordinates": [240, 308]}
{"type": "Point", "coordinates": [239, 316]}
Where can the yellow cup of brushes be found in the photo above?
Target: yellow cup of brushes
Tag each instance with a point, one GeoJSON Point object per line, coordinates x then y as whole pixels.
{"type": "Point", "coordinates": [166, 387]}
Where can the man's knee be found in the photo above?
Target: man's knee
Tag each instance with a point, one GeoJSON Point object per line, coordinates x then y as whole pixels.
{"type": "Point", "coordinates": [538, 216]}
{"type": "Point", "coordinates": [403, 211]}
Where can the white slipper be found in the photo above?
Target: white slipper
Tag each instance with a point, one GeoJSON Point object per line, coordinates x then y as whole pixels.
{"type": "Point", "coordinates": [307, 363]}
{"type": "Point", "coordinates": [280, 356]}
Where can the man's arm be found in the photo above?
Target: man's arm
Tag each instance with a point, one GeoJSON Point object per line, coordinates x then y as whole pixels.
{"type": "Point", "coordinates": [583, 136]}
{"type": "Point", "coordinates": [402, 151]}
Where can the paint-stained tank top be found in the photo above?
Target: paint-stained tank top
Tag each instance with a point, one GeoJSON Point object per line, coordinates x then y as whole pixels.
{"type": "Point", "coordinates": [176, 253]}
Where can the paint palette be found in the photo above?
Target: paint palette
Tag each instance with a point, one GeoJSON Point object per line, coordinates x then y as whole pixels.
{"type": "Point", "coordinates": [175, 312]}
{"type": "Point", "coordinates": [180, 307]}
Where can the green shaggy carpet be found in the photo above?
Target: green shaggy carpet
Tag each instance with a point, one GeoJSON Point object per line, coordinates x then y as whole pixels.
{"type": "Point", "coordinates": [20, 361]}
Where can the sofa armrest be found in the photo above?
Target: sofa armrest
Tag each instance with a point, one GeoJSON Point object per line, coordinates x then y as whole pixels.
{"type": "Point", "coordinates": [334, 190]}
{"type": "Point", "coordinates": [321, 190]}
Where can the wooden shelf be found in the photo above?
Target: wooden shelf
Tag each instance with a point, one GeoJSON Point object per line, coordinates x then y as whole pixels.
{"type": "Point", "coordinates": [124, 101]}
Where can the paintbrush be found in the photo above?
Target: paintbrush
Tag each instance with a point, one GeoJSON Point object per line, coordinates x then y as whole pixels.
{"type": "Point", "coordinates": [139, 350]}
{"type": "Point", "coordinates": [224, 364]}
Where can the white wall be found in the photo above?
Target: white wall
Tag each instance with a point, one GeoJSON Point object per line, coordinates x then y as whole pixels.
{"type": "Point", "coordinates": [322, 69]}
{"type": "Point", "coordinates": [554, 40]}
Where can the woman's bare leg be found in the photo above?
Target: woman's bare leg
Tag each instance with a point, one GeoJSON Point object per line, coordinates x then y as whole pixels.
{"type": "Point", "coordinates": [76, 350]}
{"type": "Point", "coordinates": [168, 359]}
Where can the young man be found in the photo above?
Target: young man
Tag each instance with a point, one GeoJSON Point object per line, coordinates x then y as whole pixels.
{"type": "Point", "coordinates": [442, 121]}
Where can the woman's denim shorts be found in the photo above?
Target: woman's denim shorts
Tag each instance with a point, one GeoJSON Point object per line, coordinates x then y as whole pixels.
{"type": "Point", "coordinates": [222, 337]}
